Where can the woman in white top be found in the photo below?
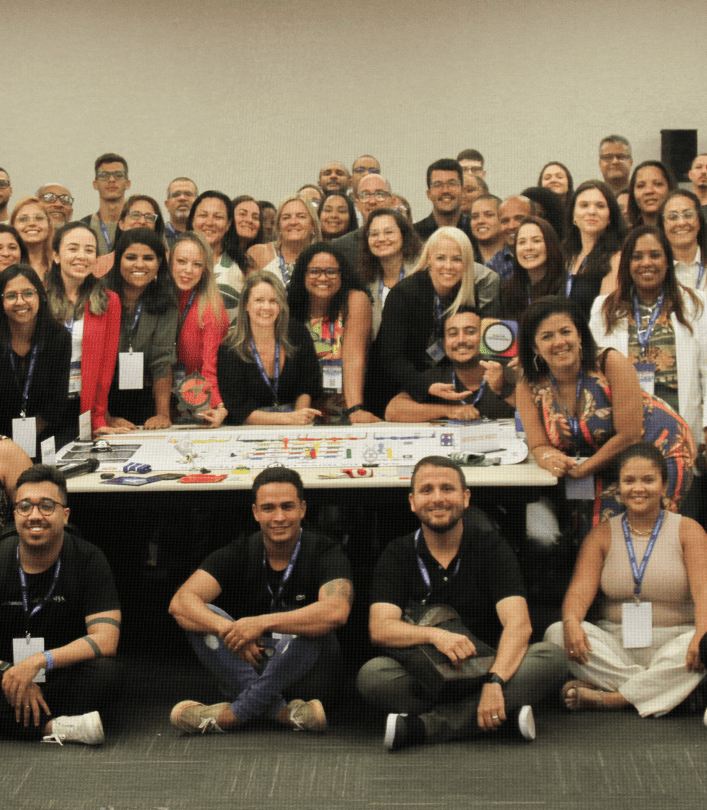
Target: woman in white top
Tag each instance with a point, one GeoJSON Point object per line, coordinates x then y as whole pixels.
{"type": "Point", "coordinates": [682, 221]}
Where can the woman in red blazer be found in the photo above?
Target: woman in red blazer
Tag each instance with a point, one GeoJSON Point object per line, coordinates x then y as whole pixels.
{"type": "Point", "coordinates": [91, 313]}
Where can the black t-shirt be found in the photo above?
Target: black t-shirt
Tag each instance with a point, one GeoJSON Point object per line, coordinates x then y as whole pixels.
{"type": "Point", "coordinates": [85, 586]}
{"type": "Point", "coordinates": [244, 577]}
{"type": "Point", "coordinates": [488, 572]}
{"type": "Point", "coordinates": [489, 405]}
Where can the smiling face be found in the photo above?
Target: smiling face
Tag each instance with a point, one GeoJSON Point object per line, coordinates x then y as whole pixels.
{"type": "Point", "coordinates": [262, 306]}
{"type": "Point", "coordinates": [485, 225]}
{"type": "Point", "coordinates": [22, 311]}
{"type": "Point", "coordinates": [180, 198]}
{"type": "Point", "coordinates": [681, 222]}
{"type": "Point", "coordinates": [136, 216]}
{"type": "Point", "coordinates": [471, 191]}
{"type": "Point", "coordinates": [211, 221]}
{"type": "Point", "coordinates": [641, 487]}
{"type": "Point", "coordinates": [320, 284]}
{"type": "Point", "coordinates": [510, 215]}
{"type": "Point", "coordinates": [139, 266]}
{"type": "Point", "coordinates": [10, 251]}
{"type": "Point", "coordinates": [384, 237]}
{"type": "Point", "coordinates": [615, 163]}
{"type": "Point", "coordinates": [557, 341]}
{"type": "Point", "coordinates": [439, 499]}
{"type": "Point", "coordinates": [334, 177]}
{"type": "Point", "coordinates": [32, 223]}
{"type": "Point", "coordinates": [555, 178]}
{"type": "Point", "coordinates": [188, 265]}
{"type": "Point", "coordinates": [334, 216]}
{"type": "Point", "coordinates": [295, 222]}
{"type": "Point", "coordinates": [530, 248]}
{"type": "Point", "coordinates": [446, 265]}
{"type": "Point", "coordinates": [279, 511]}
{"type": "Point", "coordinates": [591, 212]}
{"type": "Point", "coordinates": [650, 190]}
{"type": "Point", "coordinates": [41, 533]}
{"type": "Point", "coordinates": [648, 267]}
{"type": "Point", "coordinates": [59, 212]}
{"type": "Point", "coordinates": [445, 192]}
{"type": "Point", "coordinates": [462, 335]}
{"type": "Point", "coordinates": [76, 256]}
{"type": "Point", "coordinates": [247, 219]}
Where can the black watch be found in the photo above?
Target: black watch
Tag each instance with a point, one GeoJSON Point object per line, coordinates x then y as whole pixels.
{"type": "Point", "coordinates": [494, 677]}
{"type": "Point", "coordinates": [5, 665]}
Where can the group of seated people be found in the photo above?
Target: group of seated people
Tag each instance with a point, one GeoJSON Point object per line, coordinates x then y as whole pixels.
{"type": "Point", "coordinates": [332, 322]}
{"type": "Point", "coordinates": [448, 617]}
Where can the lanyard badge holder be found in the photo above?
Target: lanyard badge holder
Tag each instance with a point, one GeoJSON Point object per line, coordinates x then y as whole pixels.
{"type": "Point", "coordinates": [645, 370]}
{"type": "Point", "coordinates": [576, 489]}
{"type": "Point", "coordinates": [130, 363]}
{"type": "Point", "coordinates": [637, 616]}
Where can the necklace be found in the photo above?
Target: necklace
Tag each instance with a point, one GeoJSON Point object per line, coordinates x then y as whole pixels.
{"type": "Point", "coordinates": [639, 533]}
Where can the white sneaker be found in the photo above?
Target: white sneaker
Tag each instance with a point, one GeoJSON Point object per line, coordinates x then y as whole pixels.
{"type": "Point", "coordinates": [83, 728]}
{"type": "Point", "coordinates": [526, 723]}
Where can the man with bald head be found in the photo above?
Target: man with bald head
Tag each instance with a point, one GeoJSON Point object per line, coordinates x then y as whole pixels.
{"type": "Point", "coordinates": [511, 213]}
{"type": "Point", "coordinates": [362, 167]}
{"type": "Point", "coordinates": [58, 203]}
{"type": "Point", "coordinates": [5, 194]}
{"type": "Point", "coordinates": [334, 177]}
{"type": "Point", "coordinates": [373, 193]}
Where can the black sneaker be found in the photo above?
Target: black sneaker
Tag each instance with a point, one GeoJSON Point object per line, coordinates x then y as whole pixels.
{"type": "Point", "coordinates": [402, 730]}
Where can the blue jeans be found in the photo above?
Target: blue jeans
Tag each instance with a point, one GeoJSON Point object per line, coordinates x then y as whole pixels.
{"type": "Point", "coordinates": [258, 692]}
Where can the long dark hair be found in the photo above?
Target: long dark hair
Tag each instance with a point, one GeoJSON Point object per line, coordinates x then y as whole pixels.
{"type": "Point", "coordinates": [236, 201]}
{"type": "Point", "coordinates": [298, 297]}
{"type": "Point", "coordinates": [231, 240]}
{"type": "Point", "coordinates": [160, 294]}
{"type": "Point", "coordinates": [609, 242]}
{"type": "Point", "coordinates": [369, 266]}
{"type": "Point", "coordinates": [514, 294]}
{"type": "Point", "coordinates": [159, 222]}
{"type": "Point", "coordinates": [24, 255]}
{"type": "Point", "coordinates": [534, 367]}
{"type": "Point", "coordinates": [353, 222]}
{"type": "Point", "coordinates": [45, 323]}
{"type": "Point", "coordinates": [634, 212]}
{"type": "Point", "coordinates": [619, 303]}
{"type": "Point", "coordinates": [570, 181]}
{"type": "Point", "coordinates": [554, 210]}
{"type": "Point", "coordinates": [91, 289]}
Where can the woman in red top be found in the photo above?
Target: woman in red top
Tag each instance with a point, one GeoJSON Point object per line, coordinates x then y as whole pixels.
{"type": "Point", "coordinates": [203, 322]}
{"type": "Point", "coordinates": [92, 314]}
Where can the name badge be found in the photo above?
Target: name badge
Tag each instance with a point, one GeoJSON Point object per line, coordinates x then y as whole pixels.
{"type": "Point", "coordinates": [24, 647]}
{"type": "Point", "coordinates": [637, 624]}
{"type": "Point", "coordinates": [24, 433]}
{"type": "Point", "coordinates": [333, 376]}
{"type": "Point", "coordinates": [646, 376]}
{"type": "Point", "coordinates": [75, 377]}
{"type": "Point", "coordinates": [580, 489]}
{"type": "Point", "coordinates": [130, 370]}
{"type": "Point", "coordinates": [436, 351]}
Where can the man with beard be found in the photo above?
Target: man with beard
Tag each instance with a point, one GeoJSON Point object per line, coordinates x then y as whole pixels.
{"type": "Point", "coordinates": [466, 389]}
{"type": "Point", "coordinates": [181, 194]}
{"type": "Point", "coordinates": [58, 203]}
{"type": "Point", "coordinates": [461, 561]}
{"type": "Point", "coordinates": [445, 181]}
{"type": "Point", "coordinates": [698, 176]}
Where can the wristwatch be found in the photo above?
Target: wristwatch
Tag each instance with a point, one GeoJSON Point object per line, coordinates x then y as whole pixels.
{"type": "Point", "coordinates": [5, 665]}
{"type": "Point", "coordinates": [494, 677]}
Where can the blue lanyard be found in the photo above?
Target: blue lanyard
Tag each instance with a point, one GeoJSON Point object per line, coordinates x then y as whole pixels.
{"type": "Point", "coordinates": [423, 568]}
{"type": "Point", "coordinates": [171, 230]}
{"type": "Point", "coordinates": [700, 274]}
{"type": "Point", "coordinates": [401, 276]}
{"type": "Point", "coordinates": [274, 599]}
{"type": "Point", "coordinates": [138, 310]}
{"type": "Point", "coordinates": [187, 308]}
{"type": "Point", "coordinates": [644, 335]}
{"type": "Point", "coordinates": [479, 393]}
{"type": "Point", "coordinates": [283, 269]}
{"type": "Point", "coordinates": [25, 595]}
{"type": "Point", "coordinates": [438, 313]}
{"type": "Point", "coordinates": [273, 384]}
{"type": "Point", "coordinates": [109, 244]}
{"type": "Point", "coordinates": [639, 572]}
{"type": "Point", "coordinates": [569, 282]}
{"type": "Point", "coordinates": [30, 373]}
{"type": "Point", "coordinates": [572, 420]}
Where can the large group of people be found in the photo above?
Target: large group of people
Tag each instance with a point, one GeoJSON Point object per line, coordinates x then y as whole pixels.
{"type": "Point", "coordinates": [335, 307]}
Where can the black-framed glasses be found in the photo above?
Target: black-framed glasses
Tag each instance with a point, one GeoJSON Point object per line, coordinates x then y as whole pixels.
{"type": "Point", "coordinates": [329, 272]}
{"type": "Point", "coordinates": [50, 197]}
{"type": "Point", "coordinates": [4, 183]}
{"type": "Point", "coordinates": [25, 295]}
{"type": "Point", "coordinates": [46, 506]}
{"type": "Point", "coordinates": [134, 214]}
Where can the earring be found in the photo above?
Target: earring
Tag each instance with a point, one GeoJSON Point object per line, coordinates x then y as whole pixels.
{"type": "Point", "coordinates": [535, 362]}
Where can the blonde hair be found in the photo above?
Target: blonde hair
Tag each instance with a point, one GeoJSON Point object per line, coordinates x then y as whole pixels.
{"type": "Point", "coordinates": [206, 289]}
{"type": "Point", "coordinates": [466, 289]}
{"type": "Point", "coordinates": [316, 235]}
{"type": "Point", "coordinates": [239, 336]}
{"type": "Point", "coordinates": [47, 247]}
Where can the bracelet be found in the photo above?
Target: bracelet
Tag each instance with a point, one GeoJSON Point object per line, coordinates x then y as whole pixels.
{"type": "Point", "coordinates": [494, 677]}
{"type": "Point", "coordinates": [50, 661]}
{"type": "Point", "coordinates": [353, 409]}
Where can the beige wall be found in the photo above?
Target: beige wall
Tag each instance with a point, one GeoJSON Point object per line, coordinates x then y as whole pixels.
{"type": "Point", "coordinates": [254, 96]}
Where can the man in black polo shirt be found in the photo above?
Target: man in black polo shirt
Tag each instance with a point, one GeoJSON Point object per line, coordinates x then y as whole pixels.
{"type": "Point", "coordinates": [59, 620]}
{"type": "Point", "coordinates": [467, 565]}
{"type": "Point", "coordinates": [287, 591]}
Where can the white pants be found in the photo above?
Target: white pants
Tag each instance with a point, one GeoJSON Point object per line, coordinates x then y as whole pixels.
{"type": "Point", "coordinates": [654, 679]}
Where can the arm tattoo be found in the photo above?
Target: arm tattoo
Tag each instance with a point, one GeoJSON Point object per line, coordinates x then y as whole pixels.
{"type": "Point", "coordinates": [340, 587]}
{"type": "Point", "coordinates": [92, 644]}
{"type": "Point", "coordinates": [103, 620]}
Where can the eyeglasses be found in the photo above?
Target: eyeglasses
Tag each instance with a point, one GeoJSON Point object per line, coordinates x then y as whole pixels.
{"type": "Point", "coordinates": [673, 216]}
{"type": "Point", "coordinates": [46, 506]}
{"type": "Point", "coordinates": [364, 169]}
{"type": "Point", "coordinates": [609, 158]}
{"type": "Point", "coordinates": [25, 295]}
{"type": "Point", "coordinates": [387, 232]}
{"type": "Point", "coordinates": [175, 194]}
{"type": "Point", "coordinates": [472, 169]}
{"type": "Point", "coordinates": [23, 218]}
{"type": "Point", "coordinates": [120, 175]}
{"type": "Point", "coordinates": [439, 184]}
{"type": "Point", "coordinates": [49, 197]}
{"type": "Point", "coordinates": [329, 272]}
{"type": "Point", "coordinates": [380, 195]}
{"type": "Point", "coordinates": [139, 215]}
{"type": "Point", "coordinates": [4, 184]}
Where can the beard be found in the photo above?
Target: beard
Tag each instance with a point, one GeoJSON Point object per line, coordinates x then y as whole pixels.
{"type": "Point", "coordinates": [442, 524]}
